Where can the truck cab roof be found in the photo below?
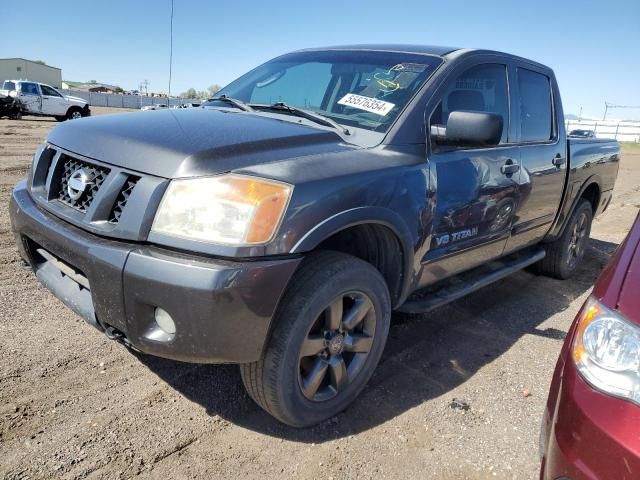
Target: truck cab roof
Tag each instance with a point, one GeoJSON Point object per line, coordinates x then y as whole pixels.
{"type": "Point", "coordinates": [417, 49]}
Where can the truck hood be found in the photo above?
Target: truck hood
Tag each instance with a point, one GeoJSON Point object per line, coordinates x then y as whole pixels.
{"type": "Point", "coordinates": [617, 285]}
{"type": "Point", "coordinates": [629, 300]}
{"type": "Point", "coordinates": [191, 142]}
{"type": "Point", "coordinates": [75, 99]}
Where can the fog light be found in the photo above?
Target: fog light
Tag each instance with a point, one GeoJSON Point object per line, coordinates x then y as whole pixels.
{"type": "Point", "coordinates": [165, 322]}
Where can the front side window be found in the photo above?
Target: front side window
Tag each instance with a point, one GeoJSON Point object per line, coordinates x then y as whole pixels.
{"type": "Point", "coordinates": [482, 88]}
{"type": "Point", "coordinates": [534, 106]}
{"type": "Point", "coordinates": [49, 91]}
{"type": "Point", "coordinates": [364, 89]}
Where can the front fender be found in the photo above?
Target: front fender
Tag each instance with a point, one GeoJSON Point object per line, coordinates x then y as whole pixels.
{"type": "Point", "coordinates": [359, 216]}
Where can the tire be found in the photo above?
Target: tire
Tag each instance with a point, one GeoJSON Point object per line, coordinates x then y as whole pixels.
{"type": "Point", "coordinates": [74, 113]}
{"type": "Point", "coordinates": [60, 118]}
{"type": "Point", "coordinates": [302, 387]}
{"type": "Point", "coordinates": [566, 252]}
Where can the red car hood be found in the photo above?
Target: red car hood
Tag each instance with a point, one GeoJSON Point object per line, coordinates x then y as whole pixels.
{"type": "Point", "coordinates": [618, 286]}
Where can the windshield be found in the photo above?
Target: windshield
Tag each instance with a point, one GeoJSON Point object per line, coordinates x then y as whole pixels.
{"type": "Point", "coordinates": [11, 86]}
{"type": "Point", "coordinates": [365, 89]}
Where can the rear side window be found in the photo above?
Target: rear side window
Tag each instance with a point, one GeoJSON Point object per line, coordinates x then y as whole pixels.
{"type": "Point", "coordinates": [535, 106]}
{"type": "Point", "coordinates": [482, 88]}
{"type": "Point", "coordinates": [29, 89]}
{"type": "Point", "coordinates": [11, 86]}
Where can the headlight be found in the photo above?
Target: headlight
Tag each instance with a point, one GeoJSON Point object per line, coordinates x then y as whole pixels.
{"type": "Point", "coordinates": [229, 209]}
{"type": "Point", "coordinates": [606, 350]}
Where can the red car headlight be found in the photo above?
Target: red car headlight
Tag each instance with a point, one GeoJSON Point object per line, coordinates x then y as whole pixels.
{"type": "Point", "coordinates": [606, 351]}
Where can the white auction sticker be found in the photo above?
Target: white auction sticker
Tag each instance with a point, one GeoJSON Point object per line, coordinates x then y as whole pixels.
{"type": "Point", "coordinates": [369, 104]}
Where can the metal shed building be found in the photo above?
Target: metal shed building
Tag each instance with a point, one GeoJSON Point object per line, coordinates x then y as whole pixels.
{"type": "Point", "coordinates": [22, 69]}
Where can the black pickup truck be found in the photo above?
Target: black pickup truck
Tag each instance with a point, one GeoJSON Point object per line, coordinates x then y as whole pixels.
{"type": "Point", "coordinates": [279, 225]}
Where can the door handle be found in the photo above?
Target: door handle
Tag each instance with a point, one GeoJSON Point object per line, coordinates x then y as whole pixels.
{"type": "Point", "coordinates": [558, 160]}
{"type": "Point", "coordinates": [509, 168]}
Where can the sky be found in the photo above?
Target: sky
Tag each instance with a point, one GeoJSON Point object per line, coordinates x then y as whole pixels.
{"type": "Point", "coordinates": [593, 47]}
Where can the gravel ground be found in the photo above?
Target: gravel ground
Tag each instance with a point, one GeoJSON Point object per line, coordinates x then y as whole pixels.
{"type": "Point", "coordinates": [76, 405]}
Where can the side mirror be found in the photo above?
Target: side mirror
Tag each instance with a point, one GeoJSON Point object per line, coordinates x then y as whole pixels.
{"type": "Point", "coordinates": [466, 128]}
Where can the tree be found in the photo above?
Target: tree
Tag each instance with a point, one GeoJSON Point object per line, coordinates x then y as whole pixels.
{"type": "Point", "coordinates": [41, 62]}
{"type": "Point", "coordinates": [119, 90]}
{"type": "Point", "coordinates": [92, 81]}
{"type": "Point", "coordinates": [190, 93]}
{"type": "Point", "coordinates": [203, 94]}
{"type": "Point", "coordinates": [213, 89]}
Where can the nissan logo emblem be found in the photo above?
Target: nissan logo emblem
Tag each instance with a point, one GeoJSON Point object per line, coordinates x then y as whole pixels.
{"type": "Point", "coordinates": [77, 184]}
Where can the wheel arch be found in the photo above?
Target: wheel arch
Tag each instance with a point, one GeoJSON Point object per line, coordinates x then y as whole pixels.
{"type": "Point", "coordinates": [374, 234]}
{"type": "Point", "coordinates": [590, 190]}
{"type": "Point", "coordinates": [72, 108]}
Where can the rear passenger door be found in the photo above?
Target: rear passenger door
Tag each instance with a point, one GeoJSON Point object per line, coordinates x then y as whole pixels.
{"type": "Point", "coordinates": [29, 95]}
{"type": "Point", "coordinates": [542, 154]}
{"type": "Point", "coordinates": [476, 196]}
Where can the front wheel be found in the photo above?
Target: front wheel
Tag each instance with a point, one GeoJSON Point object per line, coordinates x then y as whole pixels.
{"type": "Point", "coordinates": [74, 114]}
{"type": "Point", "coordinates": [329, 334]}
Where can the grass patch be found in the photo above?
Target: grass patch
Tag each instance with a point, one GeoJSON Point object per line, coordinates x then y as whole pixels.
{"type": "Point", "coordinates": [630, 147]}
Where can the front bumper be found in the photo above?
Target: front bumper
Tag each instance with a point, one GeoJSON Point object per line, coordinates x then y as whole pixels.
{"type": "Point", "coordinates": [589, 435]}
{"type": "Point", "coordinates": [222, 309]}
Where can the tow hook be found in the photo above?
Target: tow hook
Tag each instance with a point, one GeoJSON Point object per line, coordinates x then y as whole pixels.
{"type": "Point", "coordinates": [112, 333]}
{"type": "Point", "coordinates": [118, 336]}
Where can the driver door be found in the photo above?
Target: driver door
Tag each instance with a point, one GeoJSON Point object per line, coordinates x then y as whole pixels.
{"type": "Point", "coordinates": [476, 188]}
{"type": "Point", "coordinates": [53, 103]}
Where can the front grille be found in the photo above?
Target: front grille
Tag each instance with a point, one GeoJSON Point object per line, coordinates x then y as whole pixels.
{"type": "Point", "coordinates": [96, 174]}
{"type": "Point", "coordinates": [105, 205]}
{"type": "Point", "coordinates": [123, 197]}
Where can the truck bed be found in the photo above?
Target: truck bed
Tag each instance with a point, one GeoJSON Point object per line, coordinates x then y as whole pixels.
{"type": "Point", "coordinates": [594, 156]}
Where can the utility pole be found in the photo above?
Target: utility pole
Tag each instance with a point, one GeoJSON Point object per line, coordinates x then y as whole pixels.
{"type": "Point", "coordinates": [170, 53]}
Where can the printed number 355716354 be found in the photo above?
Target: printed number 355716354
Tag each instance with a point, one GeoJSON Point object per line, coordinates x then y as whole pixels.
{"type": "Point", "coordinates": [368, 104]}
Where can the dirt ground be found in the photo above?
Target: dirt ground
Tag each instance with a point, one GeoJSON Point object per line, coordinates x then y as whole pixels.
{"type": "Point", "coordinates": [74, 404]}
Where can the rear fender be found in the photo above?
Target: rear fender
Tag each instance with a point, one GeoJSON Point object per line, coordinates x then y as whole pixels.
{"type": "Point", "coordinates": [562, 218]}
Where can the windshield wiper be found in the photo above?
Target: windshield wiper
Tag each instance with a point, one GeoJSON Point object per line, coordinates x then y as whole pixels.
{"type": "Point", "coordinates": [232, 101]}
{"type": "Point", "coordinates": [300, 112]}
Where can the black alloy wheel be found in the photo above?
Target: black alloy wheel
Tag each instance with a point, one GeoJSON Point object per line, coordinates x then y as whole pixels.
{"type": "Point", "coordinates": [337, 346]}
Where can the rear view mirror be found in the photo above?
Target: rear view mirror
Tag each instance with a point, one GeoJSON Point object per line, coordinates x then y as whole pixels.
{"type": "Point", "coordinates": [467, 128]}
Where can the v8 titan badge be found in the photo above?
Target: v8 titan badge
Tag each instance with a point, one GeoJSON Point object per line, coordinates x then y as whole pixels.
{"type": "Point", "coordinates": [367, 104]}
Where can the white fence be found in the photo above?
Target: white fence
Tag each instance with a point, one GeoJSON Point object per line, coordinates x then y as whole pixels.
{"type": "Point", "coordinates": [621, 130]}
{"type": "Point", "coordinates": [124, 101]}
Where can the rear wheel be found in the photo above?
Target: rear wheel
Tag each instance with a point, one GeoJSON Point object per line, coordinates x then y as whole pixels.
{"type": "Point", "coordinates": [329, 334]}
{"type": "Point", "coordinates": [566, 252]}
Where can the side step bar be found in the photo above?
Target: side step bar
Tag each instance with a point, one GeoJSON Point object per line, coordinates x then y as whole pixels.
{"type": "Point", "coordinates": [448, 293]}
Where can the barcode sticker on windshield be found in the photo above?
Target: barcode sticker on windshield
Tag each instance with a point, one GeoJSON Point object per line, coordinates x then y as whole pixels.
{"type": "Point", "coordinates": [368, 104]}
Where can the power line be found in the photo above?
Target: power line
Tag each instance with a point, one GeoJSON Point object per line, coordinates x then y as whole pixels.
{"type": "Point", "coordinates": [608, 105]}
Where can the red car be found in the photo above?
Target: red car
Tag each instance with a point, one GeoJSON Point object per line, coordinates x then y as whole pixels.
{"type": "Point", "coordinates": [591, 426]}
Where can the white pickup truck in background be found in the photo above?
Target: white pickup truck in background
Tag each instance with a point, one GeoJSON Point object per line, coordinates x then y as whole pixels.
{"type": "Point", "coordinates": [44, 100]}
